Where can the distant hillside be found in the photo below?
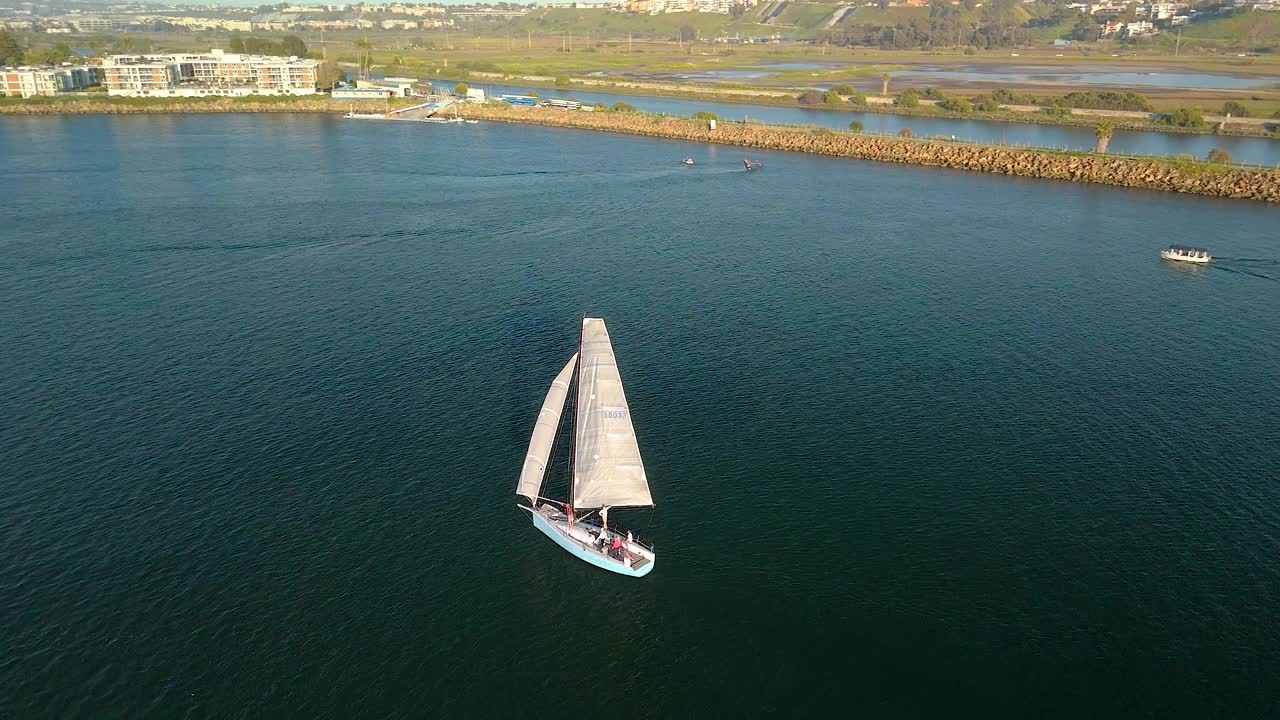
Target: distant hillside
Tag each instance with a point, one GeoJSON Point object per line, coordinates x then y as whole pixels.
{"type": "Point", "coordinates": [1246, 30]}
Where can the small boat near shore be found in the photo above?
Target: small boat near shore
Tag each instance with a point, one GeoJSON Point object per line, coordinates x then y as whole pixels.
{"type": "Point", "coordinates": [365, 116]}
{"type": "Point", "coordinates": [1184, 253]}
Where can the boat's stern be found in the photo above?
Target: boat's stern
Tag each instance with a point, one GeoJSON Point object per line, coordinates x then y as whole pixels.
{"type": "Point", "coordinates": [578, 541]}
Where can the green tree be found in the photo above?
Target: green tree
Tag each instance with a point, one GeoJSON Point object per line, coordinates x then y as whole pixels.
{"type": "Point", "coordinates": [1235, 109]}
{"type": "Point", "coordinates": [623, 107]}
{"type": "Point", "coordinates": [293, 45]}
{"type": "Point", "coordinates": [855, 126]}
{"type": "Point", "coordinates": [986, 103]}
{"type": "Point", "coordinates": [1103, 133]}
{"type": "Point", "coordinates": [844, 89]}
{"type": "Point", "coordinates": [956, 105]}
{"type": "Point", "coordinates": [328, 74]}
{"type": "Point", "coordinates": [908, 98]}
{"type": "Point", "coordinates": [366, 56]}
{"type": "Point", "coordinates": [60, 53]}
{"type": "Point", "coordinates": [563, 81]}
{"type": "Point", "coordinates": [704, 115]}
{"type": "Point", "coordinates": [858, 98]}
{"type": "Point", "coordinates": [460, 89]}
{"type": "Point", "coordinates": [1185, 117]}
{"type": "Point", "coordinates": [11, 52]}
{"type": "Point", "coordinates": [1219, 156]}
{"type": "Point", "coordinates": [831, 97]}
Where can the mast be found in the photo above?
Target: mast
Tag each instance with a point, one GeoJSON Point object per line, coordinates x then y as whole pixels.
{"type": "Point", "coordinates": [577, 398]}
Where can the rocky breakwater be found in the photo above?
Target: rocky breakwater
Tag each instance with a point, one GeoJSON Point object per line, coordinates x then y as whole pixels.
{"type": "Point", "coordinates": [1155, 174]}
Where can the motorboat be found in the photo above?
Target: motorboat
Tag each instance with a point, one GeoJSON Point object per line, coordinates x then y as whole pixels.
{"type": "Point", "coordinates": [688, 161]}
{"type": "Point", "coordinates": [1184, 253]}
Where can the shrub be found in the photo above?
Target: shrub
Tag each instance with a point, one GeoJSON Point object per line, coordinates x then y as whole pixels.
{"type": "Point", "coordinates": [460, 89]}
{"type": "Point", "coordinates": [563, 81]}
{"type": "Point", "coordinates": [1106, 100]}
{"type": "Point", "coordinates": [810, 97]}
{"type": "Point", "coordinates": [844, 89]}
{"type": "Point", "coordinates": [858, 98]}
{"type": "Point", "coordinates": [934, 93]}
{"type": "Point", "coordinates": [1185, 117]}
{"type": "Point", "coordinates": [956, 105]}
{"type": "Point", "coordinates": [986, 103]}
{"type": "Point", "coordinates": [1220, 156]}
{"type": "Point", "coordinates": [1056, 111]}
{"type": "Point", "coordinates": [1006, 96]}
{"type": "Point", "coordinates": [855, 126]}
{"type": "Point", "coordinates": [1234, 109]}
{"type": "Point", "coordinates": [908, 98]}
{"type": "Point", "coordinates": [704, 115]}
{"type": "Point", "coordinates": [831, 97]}
{"type": "Point", "coordinates": [970, 50]}
{"type": "Point", "coordinates": [906, 132]}
{"type": "Point", "coordinates": [533, 93]}
{"type": "Point", "coordinates": [1276, 115]}
{"type": "Point", "coordinates": [623, 107]}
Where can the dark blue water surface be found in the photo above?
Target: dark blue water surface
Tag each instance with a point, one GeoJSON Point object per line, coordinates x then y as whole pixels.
{"type": "Point", "coordinates": [924, 443]}
{"type": "Point", "coordinates": [1254, 150]}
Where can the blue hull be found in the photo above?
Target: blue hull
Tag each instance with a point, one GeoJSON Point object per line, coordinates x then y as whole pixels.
{"type": "Point", "coordinates": [575, 549]}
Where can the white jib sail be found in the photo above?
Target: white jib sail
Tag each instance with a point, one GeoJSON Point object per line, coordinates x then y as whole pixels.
{"type": "Point", "coordinates": [607, 470]}
{"type": "Point", "coordinates": [544, 435]}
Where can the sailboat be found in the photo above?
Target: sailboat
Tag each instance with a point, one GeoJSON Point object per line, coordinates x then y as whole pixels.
{"type": "Point", "coordinates": [606, 471]}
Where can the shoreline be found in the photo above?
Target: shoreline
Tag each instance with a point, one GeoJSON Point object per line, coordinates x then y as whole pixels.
{"type": "Point", "coordinates": [1164, 174]}
{"type": "Point", "coordinates": [876, 104]}
{"type": "Point", "coordinates": [1181, 176]}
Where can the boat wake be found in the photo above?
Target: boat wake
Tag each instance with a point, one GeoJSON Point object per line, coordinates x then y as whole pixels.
{"type": "Point", "coordinates": [1259, 261]}
{"type": "Point", "coordinates": [1241, 271]}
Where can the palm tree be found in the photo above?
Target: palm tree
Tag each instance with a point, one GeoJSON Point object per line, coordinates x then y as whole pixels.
{"type": "Point", "coordinates": [365, 57]}
{"type": "Point", "coordinates": [884, 84]}
{"type": "Point", "coordinates": [1103, 133]}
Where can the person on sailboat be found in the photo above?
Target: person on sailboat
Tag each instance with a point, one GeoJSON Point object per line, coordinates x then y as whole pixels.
{"type": "Point", "coordinates": [568, 510]}
{"type": "Point", "coordinates": [615, 548]}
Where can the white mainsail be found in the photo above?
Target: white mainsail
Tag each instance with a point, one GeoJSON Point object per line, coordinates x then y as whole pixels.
{"type": "Point", "coordinates": [607, 471]}
{"type": "Point", "coordinates": [544, 435]}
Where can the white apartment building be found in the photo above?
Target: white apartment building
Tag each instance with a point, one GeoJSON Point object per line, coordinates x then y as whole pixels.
{"type": "Point", "coordinates": [47, 81]}
{"type": "Point", "coordinates": [212, 73]}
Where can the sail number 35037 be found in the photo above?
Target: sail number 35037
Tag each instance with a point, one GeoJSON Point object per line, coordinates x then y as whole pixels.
{"type": "Point", "coordinates": [613, 413]}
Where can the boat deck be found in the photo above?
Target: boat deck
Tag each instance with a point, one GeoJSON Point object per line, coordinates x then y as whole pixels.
{"type": "Point", "coordinates": [580, 538]}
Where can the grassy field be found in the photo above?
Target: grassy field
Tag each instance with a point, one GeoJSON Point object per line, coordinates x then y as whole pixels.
{"type": "Point", "coordinates": [545, 54]}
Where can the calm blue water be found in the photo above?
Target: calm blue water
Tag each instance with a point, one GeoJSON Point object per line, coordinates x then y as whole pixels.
{"type": "Point", "coordinates": [1258, 151]}
{"type": "Point", "coordinates": [923, 442]}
